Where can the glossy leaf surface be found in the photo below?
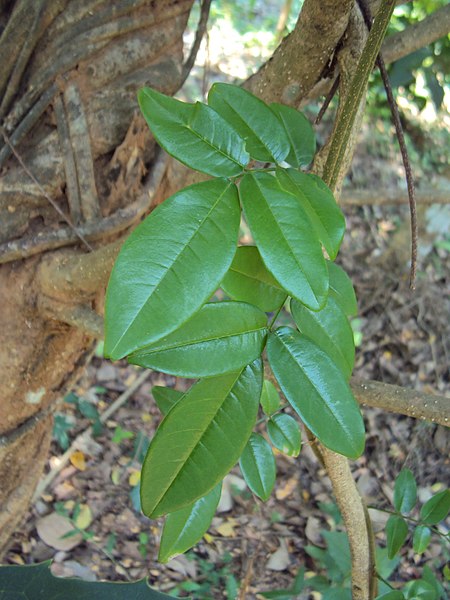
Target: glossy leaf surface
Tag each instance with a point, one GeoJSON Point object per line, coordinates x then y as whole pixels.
{"type": "Point", "coordinates": [200, 440]}
{"type": "Point", "coordinates": [405, 491]}
{"type": "Point", "coordinates": [330, 330]}
{"type": "Point", "coordinates": [264, 134]}
{"type": "Point", "coordinates": [319, 204]}
{"type": "Point", "coordinates": [300, 133]}
{"type": "Point", "coordinates": [284, 434]}
{"type": "Point", "coordinates": [221, 337]}
{"type": "Point", "coordinates": [185, 527]}
{"type": "Point", "coordinates": [285, 238]}
{"type": "Point", "coordinates": [270, 399]}
{"type": "Point", "coordinates": [436, 508]}
{"type": "Point", "coordinates": [194, 134]}
{"type": "Point", "coordinates": [421, 538]}
{"type": "Point", "coordinates": [36, 582]}
{"type": "Point", "coordinates": [317, 390]}
{"type": "Point", "coordinates": [341, 288]}
{"type": "Point", "coordinates": [257, 464]}
{"type": "Point", "coordinates": [249, 280]}
{"type": "Point", "coordinates": [170, 265]}
{"type": "Point", "coordinates": [396, 532]}
{"type": "Point", "coordinates": [165, 397]}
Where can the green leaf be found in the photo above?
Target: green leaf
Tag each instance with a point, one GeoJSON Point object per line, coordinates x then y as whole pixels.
{"type": "Point", "coordinates": [429, 575]}
{"type": "Point", "coordinates": [317, 390]}
{"type": "Point", "coordinates": [420, 590]}
{"type": "Point", "coordinates": [270, 399]}
{"type": "Point", "coordinates": [421, 538]}
{"type": "Point", "coordinates": [185, 527]}
{"type": "Point", "coordinates": [330, 330]}
{"type": "Point", "coordinates": [165, 397]}
{"type": "Point", "coordinates": [194, 134]}
{"type": "Point", "coordinates": [436, 508]}
{"type": "Point", "coordinates": [299, 132]}
{"type": "Point", "coordinates": [35, 582]}
{"type": "Point", "coordinates": [220, 338]}
{"type": "Point", "coordinates": [170, 265]}
{"type": "Point", "coordinates": [341, 289]}
{"type": "Point", "coordinates": [405, 492]}
{"type": "Point", "coordinates": [200, 440]}
{"type": "Point", "coordinates": [285, 238]}
{"type": "Point", "coordinates": [265, 137]}
{"type": "Point", "coordinates": [392, 595]}
{"type": "Point", "coordinates": [396, 532]}
{"type": "Point", "coordinates": [285, 434]}
{"type": "Point", "coordinates": [318, 202]}
{"type": "Point", "coordinates": [257, 464]}
{"type": "Point", "coordinates": [248, 280]}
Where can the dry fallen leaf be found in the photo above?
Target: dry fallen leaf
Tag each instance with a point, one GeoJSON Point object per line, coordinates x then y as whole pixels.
{"type": "Point", "coordinates": [279, 560]}
{"type": "Point", "coordinates": [53, 527]}
{"type": "Point", "coordinates": [134, 478]}
{"type": "Point", "coordinates": [78, 460]}
{"type": "Point", "coordinates": [226, 529]}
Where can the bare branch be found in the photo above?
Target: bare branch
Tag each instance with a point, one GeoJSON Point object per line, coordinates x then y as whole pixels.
{"type": "Point", "coordinates": [357, 523]}
{"type": "Point", "coordinates": [404, 401]}
{"type": "Point", "coordinates": [417, 36]}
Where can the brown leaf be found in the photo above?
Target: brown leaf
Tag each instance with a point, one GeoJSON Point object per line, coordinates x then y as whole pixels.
{"type": "Point", "coordinates": [53, 527]}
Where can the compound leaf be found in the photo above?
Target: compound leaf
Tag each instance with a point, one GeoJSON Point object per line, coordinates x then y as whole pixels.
{"type": "Point", "coordinates": [249, 280]}
{"type": "Point", "coordinates": [330, 330]}
{"type": "Point", "coordinates": [185, 527]}
{"type": "Point", "coordinates": [319, 204]}
{"type": "Point", "coordinates": [194, 134]}
{"type": "Point", "coordinates": [200, 440]}
{"type": "Point", "coordinates": [284, 434]}
{"type": "Point", "coordinates": [170, 265]}
{"type": "Point", "coordinates": [221, 337]}
{"type": "Point", "coordinates": [285, 238]}
{"type": "Point", "coordinates": [264, 135]}
{"type": "Point", "coordinates": [257, 464]}
{"type": "Point", "coordinates": [317, 390]}
{"type": "Point", "coordinates": [300, 133]}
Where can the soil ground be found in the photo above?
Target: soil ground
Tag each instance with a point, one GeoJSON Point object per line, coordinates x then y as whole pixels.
{"type": "Point", "coordinates": [403, 338]}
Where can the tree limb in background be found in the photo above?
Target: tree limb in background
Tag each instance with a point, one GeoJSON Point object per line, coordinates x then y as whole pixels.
{"type": "Point", "coordinates": [414, 37]}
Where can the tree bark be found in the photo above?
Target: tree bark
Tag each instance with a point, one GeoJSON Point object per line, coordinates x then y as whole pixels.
{"type": "Point", "coordinates": [68, 80]}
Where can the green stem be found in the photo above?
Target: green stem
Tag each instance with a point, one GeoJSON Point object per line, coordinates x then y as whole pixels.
{"type": "Point", "coordinates": [411, 519]}
{"type": "Point", "coordinates": [357, 89]}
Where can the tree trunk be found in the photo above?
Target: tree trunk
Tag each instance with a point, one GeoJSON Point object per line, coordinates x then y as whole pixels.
{"type": "Point", "coordinates": [73, 184]}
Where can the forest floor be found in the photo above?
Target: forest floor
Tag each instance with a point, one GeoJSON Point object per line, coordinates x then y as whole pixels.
{"type": "Point", "coordinates": [402, 338]}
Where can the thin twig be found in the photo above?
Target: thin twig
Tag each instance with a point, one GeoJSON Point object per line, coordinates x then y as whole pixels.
{"type": "Point", "coordinates": [329, 97]}
{"type": "Point", "coordinates": [82, 437]}
{"type": "Point", "coordinates": [365, 9]}
{"type": "Point", "coordinates": [44, 193]}
{"type": "Point", "coordinates": [201, 28]}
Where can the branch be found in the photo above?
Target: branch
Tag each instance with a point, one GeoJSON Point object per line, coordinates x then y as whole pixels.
{"type": "Point", "coordinates": [201, 28]}
{"type": "Point", "coordinates": [404, 401]}
{"type": "Point", "coordinates": [304, 55]}
{"type": "Point", "coordinates": [417, 36]}
{"type": "Point", "coordinates": [357, 523]}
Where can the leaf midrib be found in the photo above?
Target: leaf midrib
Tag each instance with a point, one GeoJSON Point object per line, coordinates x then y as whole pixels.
{"type": "Point", "coordinates": [194, 342]}
{"type": "Point", "coordinates": [291, 250]}
{"type": "Point", "coordinates": [347, 431]}
{"type": "Point", "coordinates": [182, 464]}
{"type": "Point", "coordinates": [182, 250]}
